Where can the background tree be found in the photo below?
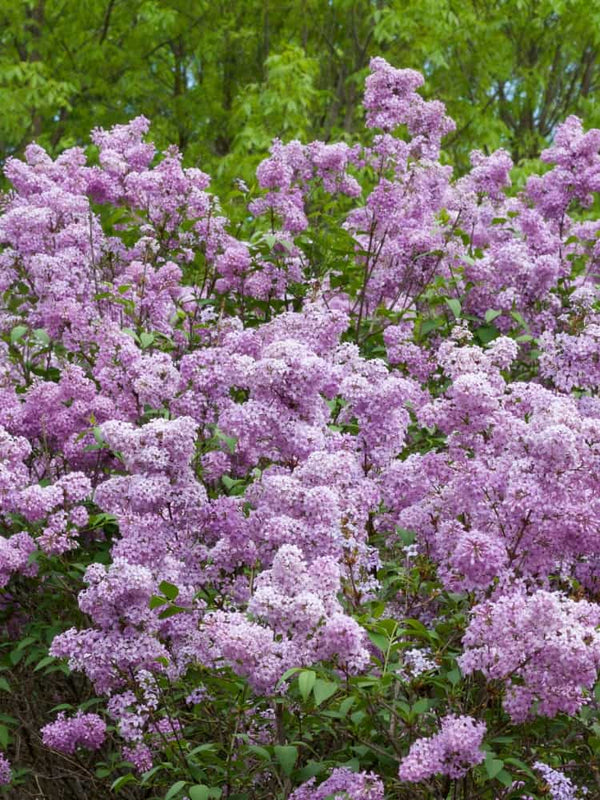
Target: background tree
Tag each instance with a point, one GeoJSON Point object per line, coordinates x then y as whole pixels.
{"type": "Point", "coordinates": [221, 78]}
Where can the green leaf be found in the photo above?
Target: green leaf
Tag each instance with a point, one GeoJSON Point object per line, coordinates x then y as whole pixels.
{"type": "Point", "coordinates": [103, 772]}
{"type": "Point", "coordinates": [518, 317]}
{"type": "Point", "coordinates": [454, 306]}
{"type": "Point", "coordinates": [311, 769]}
{"type": "Point", "coordinates": [454, 676]}
{"type": "Point", "coordinates": [493, 765]}
{"type": "Point", "coordinates": [431, 325]}
{"type": "Point", "coordinates": [146, 339]}
{"type": "Point", "coordinates": [147, 776]}
{"type": "Point", "coordinates": [5, 685]}
{"type": "Point", "coordinates": [169, 590]}
{"type": "Point", "coordinates": [346, 705]}
{"type": "Point", "coordinates": [230, 441]}
{"type": "Point", "coordinates": [390, 626]}
{"type": "Point", "coordinates": [421, 706]}
{"type": "Point", "coordinates": [288, 674]}
{"type": "Point", "coordinates": [487, 333]}
{"type": "Point", "coordinates": [118, 784]}
{"type": "Point", "coordinates": [407, 536]}
{"type": "Point", "coordinates": [171, 611]}
{"type": "Point", "coordinates": [521, 765]}
{"type": "Point", "coordinates": [323, 690]}
{"type": "Point", "coordinates": [175, 789]}
{"type": "Point", "coordinates": [44, 663]}
{"type": "Point", "coordinates": [203, 748]}
{"type": "Point", "coordinates": [156, 601]}
{"type": "Point", "coordinates": [231, 483]}
{"type": "Point", "coordinates": [491, 314]}
{"type": "Point", "coordinates": [306, 681]}
{"type": "Point", "coordinates": [416, 628]}
{"type": "Point", "coordinates": [380, 641]}
{"type": "Point", "coordinates": [17, 333]}
{"type": "Point", "coordinates": [61, 707]}
{"type": "Point", "coordinates": [286, 755]}
{"type": "Point", "coordinates": [41, 335]}
{"type": "Point", "coordinates": [261, 752]}
{"type": "Point", "coordinates": [505, 778]}
{"type": "Point", "coordinates": [198, 792]}
{"type": "Point", "coordinates": [131, 333]}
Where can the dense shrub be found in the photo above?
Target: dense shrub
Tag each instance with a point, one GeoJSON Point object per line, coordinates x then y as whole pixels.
{"type": "Point", "coordinates": [306, 504]}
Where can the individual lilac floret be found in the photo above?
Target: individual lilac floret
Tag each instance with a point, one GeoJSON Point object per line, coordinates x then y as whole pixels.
{"type": "Point", "coordinates": [561, 787]}
{"type": "Point", "coordinates": [342, 784]}
{"type": "Point", "coordinates": [82, 730]}
{"type": "Point", "coordinates": [5, 774]}
{"type": "Point", "coordinates": [452, 751]}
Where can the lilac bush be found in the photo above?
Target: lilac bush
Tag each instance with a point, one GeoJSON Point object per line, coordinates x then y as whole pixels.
{"type": "Point", "coordinates": [300, 493]}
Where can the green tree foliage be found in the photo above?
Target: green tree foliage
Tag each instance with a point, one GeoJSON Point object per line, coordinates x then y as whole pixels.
{"type": "Point", "coordinates": [220, 78]}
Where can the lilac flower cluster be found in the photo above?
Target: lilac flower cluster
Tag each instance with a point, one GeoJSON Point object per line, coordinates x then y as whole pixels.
{"type": "Point", "coordinates": [5, 771]}
{"type": "Point", "coordinates": [560, 787]}
{"type": "Point", "coordinates": [305, 623]}
{"type": "Point", "coordinates": [452, 751]}
{"type": "Point", "coordinates": [342, 784]}
{"type": "Point", "coordinates": [67, 734]}
{"type": "Point", "coordinates": [545, 646]}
